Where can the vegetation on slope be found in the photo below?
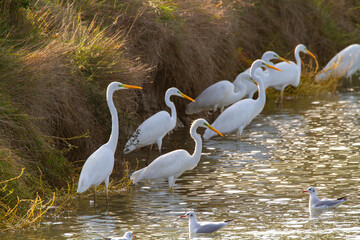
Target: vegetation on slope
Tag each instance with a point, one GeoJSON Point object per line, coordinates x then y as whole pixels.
{"type": "Point", "coordinates": [57, 57]}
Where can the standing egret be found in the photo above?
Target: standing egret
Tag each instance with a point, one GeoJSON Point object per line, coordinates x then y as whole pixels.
{"type": "Point", "coordinates": [99, 165]}
{"type": "Point", "coordinates": [203, 227]}
{"type": "Point", "coordinates": [290, 73]}
{"type": "Point", "coordinates": [316, 203]}
{"type": "Point", "coordinates": [171, 165]}
{"type": "Point", "coordinates": [240, 114]}
{"type": "Point", "coordinates": [153, 129]}
{"type": "Point", "coordinates": [218, 95]}
{"type": "Point", "coordinates": [345, 63]}
{"type": "Point", "coordinates": [267, 57]}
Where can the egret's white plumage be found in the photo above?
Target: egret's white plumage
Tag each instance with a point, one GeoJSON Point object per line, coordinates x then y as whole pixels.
{"type": "Point", "coordinates": [290, 72]}
{"type": "Point", "coordinates": [153, 129]}
{"type": "Point", "coordinates": [343, 64]}
{"type": "Point", "coordinates": [240, 114]}
{"type": "Point", "coordinates": [251, 87]}
{"type": "Point", "coordinates": [171, 165]}
{"type": "Point", "coordinates": [203, 227]}
{"type": "Point", "coordinates": [219, 95]}
{"type": "Point", "coordinates": [316, 203]}
{"type": "Point", "coordinates": [99, 165]}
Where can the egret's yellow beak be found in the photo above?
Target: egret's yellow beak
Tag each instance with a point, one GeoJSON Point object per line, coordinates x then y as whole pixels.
{"type": "Point", "coordinates": [187, 97]}
{"type": "Point", "coordinates": [131, 86]}
{"type": "Point", "coordinates": [285, 60]}
{"type": "Point", "coordinates": [268, 65]}
{"type": "Point", "coordinates": [312, 55]}
{"type": "Point", "coordinates": [212, 128]}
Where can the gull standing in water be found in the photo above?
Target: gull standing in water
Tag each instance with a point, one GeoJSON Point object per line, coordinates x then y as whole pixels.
{"type": "Point", "coordinates": [127, 236]}
{"type": "Point", "coordinates": [203, 227]}
{"type": "Point", "coordinates": [316, 203]}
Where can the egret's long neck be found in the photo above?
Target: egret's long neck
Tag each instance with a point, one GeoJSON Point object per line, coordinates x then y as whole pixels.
{"type": "Point", "coordinates": [261, 89]}
{"type": "Point", "coordinates": [241, 90]}
{"type": "Point", "coordinates": [198, 142]}
{"type": "Point", "coordinates": [171, 105]}
{"type": "Point", "coordinates": [114, 121]}
{"type": "Point", "coordinates": [298, 65]}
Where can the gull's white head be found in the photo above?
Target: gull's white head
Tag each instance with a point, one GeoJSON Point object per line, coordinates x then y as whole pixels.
{"type": "Point", "coordinates": [310, 190]}
{"type": "Point", "coordinates": [190, 215]}
{"type": "Point", "coordinates": [129, 235]}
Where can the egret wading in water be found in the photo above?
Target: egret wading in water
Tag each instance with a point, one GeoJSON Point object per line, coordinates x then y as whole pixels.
{"type": "Point", "coordinates": [290, 73]}
{"type": "Point", "coordinates": [171, 165]}
{"type": "Point", "coordinates": [203, 227]}
{"type": "Point", "coordinates": [219, 95]}
{"type": "Point", "coordinates": [251, 87]}
{"type": "Point", "coordinates": [99, 165]}
{"type": "Point", "coordinates": [316, 203]}
{"type": "Point", "coordinates": [153, 129]}
{"type": "Point", "coordinates": [240, 114]}
{"type": "Point", "coordinates": [345, 63]}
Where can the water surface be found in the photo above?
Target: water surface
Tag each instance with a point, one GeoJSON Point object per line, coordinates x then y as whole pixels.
{"type": "Point", "coordinates": [258, 180]}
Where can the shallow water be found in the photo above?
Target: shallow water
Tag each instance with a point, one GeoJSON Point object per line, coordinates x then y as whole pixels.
{"type": "Point", "coordinates": [258, 180]}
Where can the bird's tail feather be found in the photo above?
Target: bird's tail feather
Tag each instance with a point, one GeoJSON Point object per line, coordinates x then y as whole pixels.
{"type": "Point", "coordinates": [129, 146]}
{"type": "Point", "coordinates": [229, 221]}
{"type": "Point", "coordinates": [342, 198]}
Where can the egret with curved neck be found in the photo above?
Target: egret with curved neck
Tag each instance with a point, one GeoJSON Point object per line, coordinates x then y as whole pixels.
{"type": "Point", "coordinates": [99, 165]}
{"type": "Point", "coordinates": [240, 114]}
{"type": "Point", "coordinates": [290, 73]}
{"type": "Point", "coordinates": [268, 56]}
{"type": "Point", "coordinates": [173, 164]}
{"type": "Point", "coordinates": [153, 129]}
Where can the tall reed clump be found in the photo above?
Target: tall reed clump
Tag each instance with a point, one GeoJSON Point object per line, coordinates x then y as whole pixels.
{"type": "Point", "coordinates": [53, 111]}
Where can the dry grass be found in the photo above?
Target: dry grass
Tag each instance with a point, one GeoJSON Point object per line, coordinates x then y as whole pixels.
{"type": "Point", "coordinates": [12, 218]}
{"type": "Point", "coordinates": [57, 57]}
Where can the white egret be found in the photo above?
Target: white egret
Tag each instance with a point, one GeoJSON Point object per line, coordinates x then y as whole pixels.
{"type": "Point", "coordinates": [171, 165]}
{"type": "Point", "coordinates": [290, 73]}
{"type": "Point", "coordinates": [219, 95]}
{"type": "Point", "coordinates": [345, 63]}
{"type": "Point", "coordinates": [203, 227]}
{"type": "Point", "coordinates": [153, 129]}
{"type": "Point", "coordinates": [316, 203]}
{"type": "Point", "coordinates": [99, 165]}
{"type": "Point", "coordinates": [251, 87]}
{"type": "Point", "coordinates": [240, 114]}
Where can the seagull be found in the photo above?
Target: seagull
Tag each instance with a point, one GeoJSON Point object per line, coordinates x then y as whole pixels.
{"type": "Point", "coordinates": [127, 236]}
{"type": "Point", "coordinates": [203, 227]}
{"type": "Point", "coordinates": [316, 203]}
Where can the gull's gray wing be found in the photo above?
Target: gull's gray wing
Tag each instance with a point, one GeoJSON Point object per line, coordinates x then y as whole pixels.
{"type": "Point", "coordinates": [210, 227]}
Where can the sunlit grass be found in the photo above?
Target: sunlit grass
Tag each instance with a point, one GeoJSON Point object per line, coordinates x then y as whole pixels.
{"type": "Point", "coordinates": [14, 219]}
